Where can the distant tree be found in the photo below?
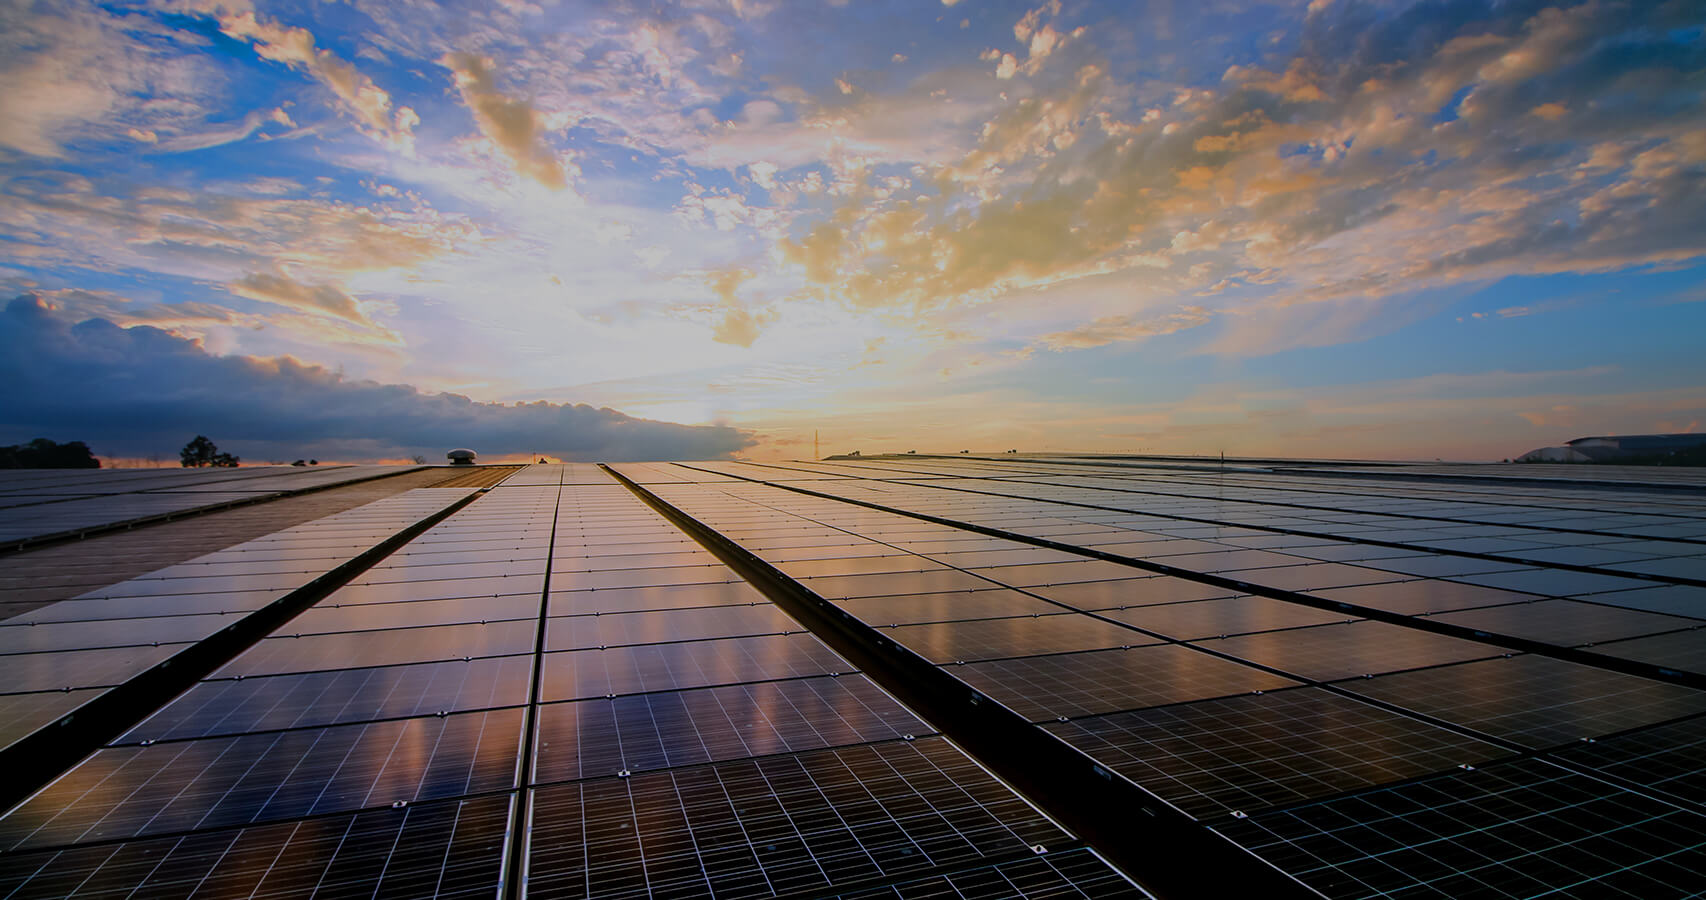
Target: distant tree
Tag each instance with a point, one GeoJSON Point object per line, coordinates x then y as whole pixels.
{"type": "Point", "coordinates": [201, 452]}
{"type": "Point", "coordinates": [42, 453]}
{"type": "Point", "coordinates": [418, 459]}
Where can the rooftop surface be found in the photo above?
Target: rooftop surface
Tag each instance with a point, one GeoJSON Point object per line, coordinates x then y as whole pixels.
{"type": "Point", "coordinates": [900, 677]}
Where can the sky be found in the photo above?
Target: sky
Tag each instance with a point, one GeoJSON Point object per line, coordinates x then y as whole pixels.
{"type": "Point", "coordinates": [366, 230]}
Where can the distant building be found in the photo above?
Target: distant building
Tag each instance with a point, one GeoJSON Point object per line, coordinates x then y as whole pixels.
{"type": "Point", "coordinates": [1615, 448]}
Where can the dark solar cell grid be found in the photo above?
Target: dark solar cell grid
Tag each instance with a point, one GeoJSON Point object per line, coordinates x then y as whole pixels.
{"type": "Point", "coordinates": [582, 632]}
{"type": "Point", "coordinates": [1555, 582]}
{"type": "Point", "coordinates": [639, 599]}
{"type": "Point", "coordinates": [836, 587]}
{"type": "Point", "coordinates": [565, 561]}
{"type": "Point", "coordinates": [592, 738]}
{"type": "Point", "coordinates": [668, 667]}
{"type": "Point", "coordinates": [21, 714]}
{"type": "Point", "coordinates": [1011, 555]}
{"type": "Point", "coordinates": [1130, 592]}
{"type": "Point", "coordinates": [29, 672]}
{"type": "Point", "coordinates": [1673, 599]}
{"type": "Point", "coordinates": [859, 565]}
{"type": "Point", "coordinates": [418, 570]}
{"type": "Point", "coordinates": [1077, 684]}
{"type": "Point", "coordinates": [59, 636]}
{"type": "Point", "coordinates": [1233, 615]}
{"type": "Point", "coordinates": [328, 617]}
{"type": "Point", "coordinates": [1565, 623]}
{"type": "Point", "coordinates": [754, 828]}
{"type": "Point", "coordinates": [442, 589]}
{"type": "Point", "coordinates": [337, 696]}
{"type": "Point", "coordinates": [146, 607]}
{"type": "Point", "coordinates": [1312, 576]}
{"type": "Point", "coordinates": [1328, 652]}
{"type": "Point", "coordinates": [626, 578]}
{"type": "Point", "coordinates": [1534, 700]}
{"type": "Point", "coordinates": [1057, 573]}
{"type": "Point", "coordinates": [422, 852]}
{"type": "Point", "coordinates": [1258, 750]}
{"type": "Point", "coordinates": [1523, 828]}
{"type": "Point", "coordinates": [949, 607]}
{"type": "Point", "coordinates": [1227, 560]}
{"type": "Point", "coordinates": [277, 655]}
{"type": "Point", "coordinates": [1076, 874]}
{"type": "Point", "coordinates": [1664, 757]}
{"type": "Point", "coordinates": [1024, 636]}
{"type": "Point", "coordinates": [1424, 596]}
{"type": "Point", "coordinates": [137, 791]}
{"type": "Point", "coordinates": [1352, 552]}
{"type": "Point", "coordinates": [1471, 570]}
{"type": "Point", "coordinates": [1684, 650]}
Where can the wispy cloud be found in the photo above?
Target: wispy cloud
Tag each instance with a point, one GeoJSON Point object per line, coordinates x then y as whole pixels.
{"type": "Point", "coordinates": [511, 124]}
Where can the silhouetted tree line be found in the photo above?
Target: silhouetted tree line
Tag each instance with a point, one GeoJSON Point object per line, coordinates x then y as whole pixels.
{"type": "Point", "coordinates": [42, 453]}
{"type": "Point", "coordinates": [201, 452]}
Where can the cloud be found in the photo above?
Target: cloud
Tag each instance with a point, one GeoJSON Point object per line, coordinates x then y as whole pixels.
{"type": "Point", "coordinates": [736, 325]}
{"type": "Point", "coordinates": [81, 74]}
{"type": "Point", "coordinates": [316, 299]}
{"type": "Point", "coordinates": [220, 231]}
{"type": "Point", "coordinates": [358, 96]}
{"type": "Point", "coordinates": [511, 124]}
{"type": "Point", "coordinates": [1399, 148]}
{"type": "Point", "coordinates": [141, 391]}
{"type": "Point", "coordinates": [1118, 329]}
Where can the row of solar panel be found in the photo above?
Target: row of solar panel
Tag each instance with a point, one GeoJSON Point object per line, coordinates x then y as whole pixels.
{"type": "Point", "coordinates": [56, 658]}
{"type": "Point", "coordinates": [1611, 609]}
{"type": "Point", "coordinates": [411, 686]}
{"type": "Point", "coordinates": [1182, 729]}
{"type": "Point", "coordinates": [37, 504]}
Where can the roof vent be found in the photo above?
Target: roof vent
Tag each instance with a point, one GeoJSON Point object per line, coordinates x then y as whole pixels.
{"type": "Point", "coordinates": [461, 457]}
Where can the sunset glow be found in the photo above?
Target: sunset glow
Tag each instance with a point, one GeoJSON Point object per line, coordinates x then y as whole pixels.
{"type": "Point", "coordinates": [1301, 227]}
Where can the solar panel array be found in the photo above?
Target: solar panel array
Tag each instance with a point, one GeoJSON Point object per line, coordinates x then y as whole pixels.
{"type": "Point", "coordinates": [41, 504]}
{"type": "Point", "coordinates": [1379, 686]}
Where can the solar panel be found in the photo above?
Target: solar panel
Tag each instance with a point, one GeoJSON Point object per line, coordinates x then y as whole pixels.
{"type": "Point", "coordinates": [1684, 650]}
{"type": "Point", "coordinates": [1662, 758]}
{"type": "Point", "coordinates": [1566, 623]}
{"type": "Point", "coordinates": [610, 630]}
{"type": "Point", "coordinates": [637, 732]}
{"type": "Point", "coordinates": [1533, 700]}
{"type": "Point", "coordinates": [775, 825]}
{"type": "Point", "coordinates": [1076, 684]}
{"type": "Point", "coordinates": [1213, 618]}
{"type": "Point", "coordinates": [1430, 595]}
{"type": "Point", "coordinates": [1023, 636]}
{"type": "Point", "coordinates": [1249, 752]}
{"type": "Point", "coordinates": [703, 751]}
{"type": "Point", "coordinates": [1330, 652]}
{"type": "Point", "coordinates": [452, 849]}
{"type": "Point", "coordinates": [668, 667]}
{"type": "Point", "coordinates": [129, 792]}
{"type": "Point", "coordinates": [330, 697]}
{"type": "Point", "coordinates": [1519, 828]}
{"type": "Point", "coordinates": [637, 599]}
{"type": "Point", "coordinates": [1074, 873]}
{"type": "Point", "coordinates": [952, 606]}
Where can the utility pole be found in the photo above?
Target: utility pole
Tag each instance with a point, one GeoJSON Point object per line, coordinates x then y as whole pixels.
{"type": "Point", "coordinates": [816, 453]}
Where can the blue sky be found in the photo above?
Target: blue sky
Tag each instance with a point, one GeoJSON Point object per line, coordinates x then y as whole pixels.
{"type": "Point", "coordinates": [1328, 227]}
